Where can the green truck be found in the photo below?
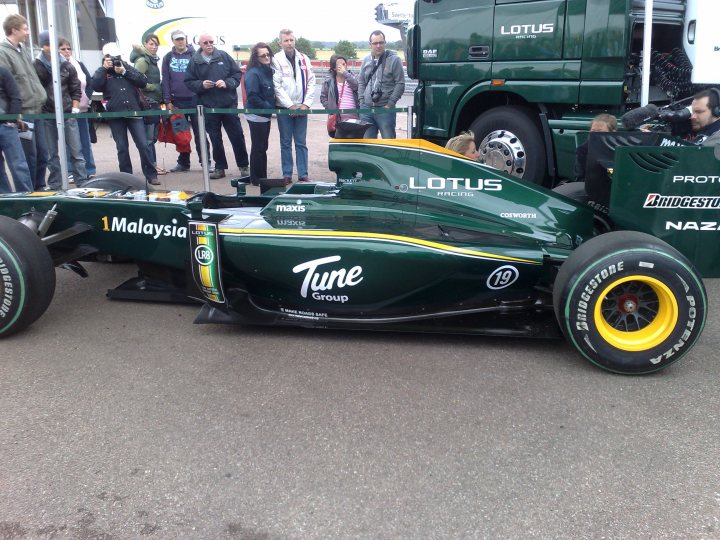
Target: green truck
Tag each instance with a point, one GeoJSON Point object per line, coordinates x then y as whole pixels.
{"type": "Point", "coordinates": [527, 75]}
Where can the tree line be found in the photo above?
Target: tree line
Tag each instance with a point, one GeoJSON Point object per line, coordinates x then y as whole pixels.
{"type": "Point", "coordinates": [346, 48]}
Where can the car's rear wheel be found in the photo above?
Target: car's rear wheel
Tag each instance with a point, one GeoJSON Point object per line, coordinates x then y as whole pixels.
{"type": "Point", "coordinates": [117, 181]}
{"type": "Point", "coordinates": [27, 277]}
{"type": "Point", "coordinates": [629, 302]}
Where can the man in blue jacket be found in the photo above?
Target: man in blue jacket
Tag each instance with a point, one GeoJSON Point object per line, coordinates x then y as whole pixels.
{"type": "Point", "coordinates": [176, 94]}
{"type": "Point", "coordinates": [215, 77]}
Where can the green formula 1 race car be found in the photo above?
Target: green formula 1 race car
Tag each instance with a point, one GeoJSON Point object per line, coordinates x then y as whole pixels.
{"type": "Point", "coordinates": [407, 236]}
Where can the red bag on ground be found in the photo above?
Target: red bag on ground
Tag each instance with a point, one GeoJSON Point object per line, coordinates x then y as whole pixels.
{"type": "Point", "coordinates": [181, 131]}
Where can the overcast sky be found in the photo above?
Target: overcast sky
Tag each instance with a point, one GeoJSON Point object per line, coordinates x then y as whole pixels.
{"type": "Point", "coordinates": [316, 20]}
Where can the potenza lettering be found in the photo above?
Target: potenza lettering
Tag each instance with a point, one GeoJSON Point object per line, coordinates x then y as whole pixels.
{"type": "Point", "coordinates": [686, 335]}
{"type": "Point", "coordinates": [326, 280]}
{"type": "Point", "coordinates": [587, 294]}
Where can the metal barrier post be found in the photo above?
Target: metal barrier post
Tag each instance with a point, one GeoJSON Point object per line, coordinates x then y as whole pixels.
{"type": "Point", "coordinates": [409, 121]}
{"type": "Point", "coordinates": [203, 146]}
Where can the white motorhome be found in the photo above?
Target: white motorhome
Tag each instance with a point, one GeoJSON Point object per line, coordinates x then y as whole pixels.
{"type": "Point", "coordinates": [90, 24]}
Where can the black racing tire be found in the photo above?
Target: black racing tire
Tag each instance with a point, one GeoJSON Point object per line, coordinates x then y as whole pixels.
{"type": "Point", "coordinates": [27, 277]}
{"type": "Point", "coordinates": [117, 181]}
{"type": "Point", "coordinates": [509, 139]}
{"type": "Point", "coordinates": [629, 302]}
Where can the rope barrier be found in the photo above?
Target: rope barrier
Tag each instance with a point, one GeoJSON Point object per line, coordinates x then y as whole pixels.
{"type": "Point", "coordinates": [208, 110]}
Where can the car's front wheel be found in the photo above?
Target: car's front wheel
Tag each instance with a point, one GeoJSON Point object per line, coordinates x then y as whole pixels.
{"type": "Point", "coordinates": [629, 302]}
{"type": "Point", "coordinates": [27, 277]}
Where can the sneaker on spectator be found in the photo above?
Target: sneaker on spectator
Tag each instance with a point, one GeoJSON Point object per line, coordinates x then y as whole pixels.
{"type": "Point", "coordinates": [304, 179]}
{"type": "Point", "coordinates": [244, 171]}
{"type": "Point", "coordinates": [217, 174]}
{"type": "Point", "coordinates": [179, 168]}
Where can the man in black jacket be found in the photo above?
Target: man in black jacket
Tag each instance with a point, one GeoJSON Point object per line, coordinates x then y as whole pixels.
{"type": "Point", "coordinates": [215, 77]}
{"type": "Point", "coordinates": [70, 90]}
{"type": "Point", "coordinates": [11, 103]}
{"type": "Point", "coordinates": [119, 82]}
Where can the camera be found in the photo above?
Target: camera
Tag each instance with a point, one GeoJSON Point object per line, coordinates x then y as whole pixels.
{"type": "Point", "coordinates": [116, 61]}
{"type": "Point", "coordinates": [676, 116]}
{"type": "Point", "coordinates": [376, 95]}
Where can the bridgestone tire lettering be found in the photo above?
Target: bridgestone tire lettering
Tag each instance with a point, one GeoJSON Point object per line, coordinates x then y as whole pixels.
{"type": "Point", "coordinates": [27, 277]}
{"type": "Point", "coordinates": [643, 260]}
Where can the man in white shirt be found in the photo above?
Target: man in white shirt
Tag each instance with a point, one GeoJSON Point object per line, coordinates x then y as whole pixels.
{"type": "Point", "coordinates": [294, 83]}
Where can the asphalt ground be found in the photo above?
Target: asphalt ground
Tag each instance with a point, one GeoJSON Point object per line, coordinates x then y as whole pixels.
{"type": "Point", "coordinates": [125, 420]}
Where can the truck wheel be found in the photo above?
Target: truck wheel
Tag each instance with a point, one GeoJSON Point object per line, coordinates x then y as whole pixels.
{"type": "Point", "coordinates": [117, 181]}
{"type": "Point", "coordinates": [629, 302]}
{"type": "Point", "coordinates": [27, 277]}
{"type": "Point", "coordinates": [509, 139]}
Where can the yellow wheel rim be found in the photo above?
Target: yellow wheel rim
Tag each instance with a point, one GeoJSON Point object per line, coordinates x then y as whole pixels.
{"type": "Point", "coordinates": [636, 313]}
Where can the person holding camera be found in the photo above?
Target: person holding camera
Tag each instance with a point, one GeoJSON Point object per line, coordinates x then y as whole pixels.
{"type": "Point", "coordinates": [381, 84]}
{"type": "Point", "coordinates": [294, 83]}
{"type": "Point", "coordinates": [120, 83]}
{"type": "Point", "coordinates": [705, 119]}
{"type": "Point", "coordinates": [339, 91]}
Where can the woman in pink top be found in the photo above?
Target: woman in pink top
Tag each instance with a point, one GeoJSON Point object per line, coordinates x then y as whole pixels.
{"type": "Point", "coordinates": [340, 89]}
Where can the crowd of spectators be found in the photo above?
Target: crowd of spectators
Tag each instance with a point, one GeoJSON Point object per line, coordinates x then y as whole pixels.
{"type": "Point", "coordinates": [182, 79]}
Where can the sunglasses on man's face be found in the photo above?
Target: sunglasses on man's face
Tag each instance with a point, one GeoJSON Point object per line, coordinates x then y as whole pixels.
{"type": "Point", "coordinates": [207, 42]}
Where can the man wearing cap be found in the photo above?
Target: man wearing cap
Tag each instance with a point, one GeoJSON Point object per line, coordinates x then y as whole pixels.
{"type": "Point", "coordinates": [70, 90]}
{"type": "Point", "coordinates": [16, 58]}
{"type": "Point", "coordinates": [176, 94]}
{"type": "Point", "coordinates": [215, 77]}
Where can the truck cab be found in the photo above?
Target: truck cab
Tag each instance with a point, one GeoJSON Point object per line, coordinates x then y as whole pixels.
{"type": "Point", "coordinates": [525, 76]}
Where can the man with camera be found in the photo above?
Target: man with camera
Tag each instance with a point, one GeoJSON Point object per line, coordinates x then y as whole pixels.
{"type": "Point", "coordinates": [381, 84]}
{"type": "Point", "coordinates": [120, 83]}
{"type": "Point", "coordinates": [705, 118]}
